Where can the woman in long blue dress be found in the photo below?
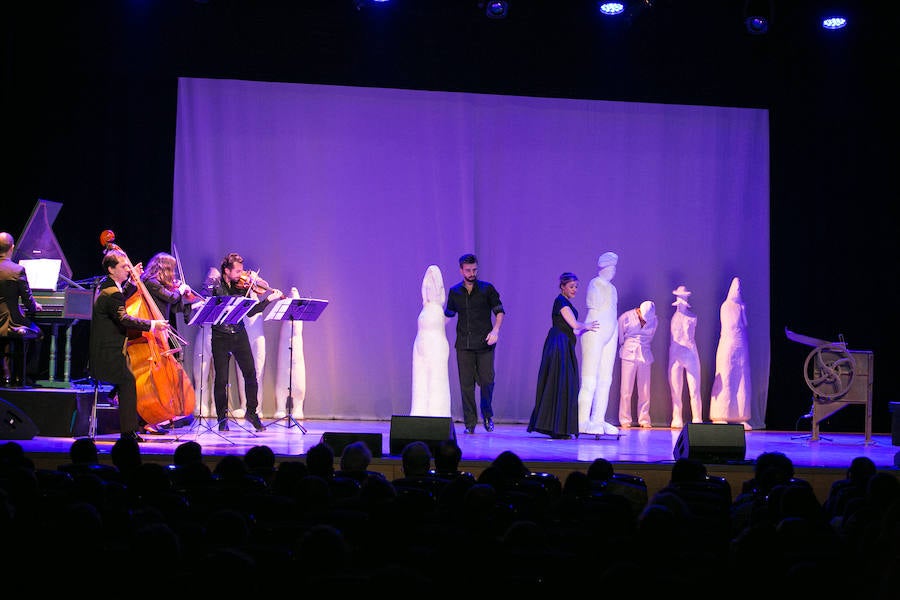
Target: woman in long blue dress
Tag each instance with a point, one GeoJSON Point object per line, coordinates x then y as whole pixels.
{"type": "Point", "coordinates": [556, 401]}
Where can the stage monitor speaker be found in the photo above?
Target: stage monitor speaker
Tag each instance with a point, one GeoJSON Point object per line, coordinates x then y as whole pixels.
{"type": "Point", "coordinates": [338, 441]}
{"type": "Point", "coordinates": [711, 442]}
{"type": "Point", "coordinates": [15, 424]}
{"type": "Point", "coordinates": [431, 430]}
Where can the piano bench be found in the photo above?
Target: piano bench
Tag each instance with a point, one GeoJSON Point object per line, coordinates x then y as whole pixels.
{"type": "Point", "coordinates": [14, 358]}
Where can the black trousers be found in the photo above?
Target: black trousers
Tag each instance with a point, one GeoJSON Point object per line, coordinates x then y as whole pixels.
{"type": "Point", "coordinates": [476, 367]}
{"type": "Point", "coordinates": [224, 346]}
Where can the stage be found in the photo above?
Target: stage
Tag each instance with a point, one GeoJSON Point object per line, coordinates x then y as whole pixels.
{"type": "Point", "coordinates": [644, 452]}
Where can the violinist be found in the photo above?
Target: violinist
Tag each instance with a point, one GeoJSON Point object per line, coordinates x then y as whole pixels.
{"type": "Point", "coordinates": [232, 340]}
{"type": "Point", "coordinates": [171, 296]}
{"type": "Point", "coordinates": [109, 329]}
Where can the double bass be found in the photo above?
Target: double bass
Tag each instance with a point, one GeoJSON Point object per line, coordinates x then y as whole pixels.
{"type": "Point", "coordinates": [164, 392]}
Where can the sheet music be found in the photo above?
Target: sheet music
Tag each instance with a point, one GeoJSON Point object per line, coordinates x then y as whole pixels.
{"type": "Point", "coordinates": [42, 273]}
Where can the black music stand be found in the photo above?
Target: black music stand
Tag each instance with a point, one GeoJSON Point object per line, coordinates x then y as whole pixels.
{"type": "Point", "coordinates": [294, 309]}
{"type": "Point", "coordinates": [220, 310]}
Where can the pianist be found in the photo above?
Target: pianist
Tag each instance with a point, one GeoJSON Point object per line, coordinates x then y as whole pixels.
{"type": "Point", "coordinates": [14, 325]}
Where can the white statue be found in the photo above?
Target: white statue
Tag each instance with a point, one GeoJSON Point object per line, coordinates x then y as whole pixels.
{"type": "Point", "coordinates": [431, 351]}
{"type": "Point", "coordinates": [636, 330]}
{"type": "Point", "coordinates": [291, 375]}
{"type": "Point", "coordinates": [684, 359]}
{"type": "Point", "coordinates": [598, 349]}
{"type": "Point", "coordinates": [730, 397]}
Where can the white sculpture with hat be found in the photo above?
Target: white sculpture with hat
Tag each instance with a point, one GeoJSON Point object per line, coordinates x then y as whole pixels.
{"type": "Point", "coordinates": [598, 349]}
{"type": "Point", "coordinates": [636, 330]}
{"type": "Point", "coordinates": [730, 398]}
{"type": "Point", "coordinates": [684, 359]}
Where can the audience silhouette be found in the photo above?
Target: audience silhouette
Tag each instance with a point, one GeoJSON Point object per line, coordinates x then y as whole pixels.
{"type": "Point", "coordinates": [250, 515]}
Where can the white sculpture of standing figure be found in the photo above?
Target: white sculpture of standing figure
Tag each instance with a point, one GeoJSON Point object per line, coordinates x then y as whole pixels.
{"type": "Point", "coordinates": [431, 351]}
{"type": "Point", "coordinates": [598, 349]}
{"type": "Point", "coordinates": [730, 398]}
{"type": "Point", "coordinates": [291, 376]}
{"type": "Point", "coordinates": [636, 330]}
{"type": "Point", "coordinates": [684, 359]}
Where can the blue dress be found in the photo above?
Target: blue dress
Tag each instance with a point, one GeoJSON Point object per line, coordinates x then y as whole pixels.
{"type": "Point", "coordinates": [556, 400]}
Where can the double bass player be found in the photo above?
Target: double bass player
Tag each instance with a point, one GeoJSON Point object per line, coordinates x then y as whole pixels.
{"type": "Point", "coordinates": [109, 326]}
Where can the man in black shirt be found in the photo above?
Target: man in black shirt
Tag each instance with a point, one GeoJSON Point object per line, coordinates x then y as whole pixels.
{"type": "Point", "coordinates": [474, 302]}
{"type": "Point", "coordinates": [232, 340]}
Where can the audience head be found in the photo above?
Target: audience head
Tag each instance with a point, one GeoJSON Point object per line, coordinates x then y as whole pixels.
{"type": "Point", "coordinates": [600, 470]}
{"type": "Point", "coordinates": [320, 461]}
{"type": "Point", "coordinates": [260, 461]}
{"type": "Point", "coordinates": [126, 454]}
{"type": "Point", "coordinates": [186, 453]}
{"type": "Point", "coordinates": [356, 457]}
{"type": "Point", "coordinates": [84, 451]}
{"type": "Point", "coordinates": [448, 456]}
{"type": "Point", "coordinates": [416, 459]}
{"type": "Point", "coordinates": [861, 469]}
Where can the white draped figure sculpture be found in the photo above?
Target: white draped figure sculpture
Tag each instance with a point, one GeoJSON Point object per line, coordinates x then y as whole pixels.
{"type": "Point", "coordinates": [684, 360]}
{"type": "Point", "coordinates": [291, 376]}
{"type": "Point", "coordinates": [730, 397]}
{"type": "Point", "coordinates": [598, 349]}
{"type": "Point", "coordinates": [636, 330]}
{"type": "Point", "coordinates": [431, 351]}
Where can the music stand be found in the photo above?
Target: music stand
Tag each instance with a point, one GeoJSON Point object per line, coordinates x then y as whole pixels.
{"type": "Point", "coordinates": [294, 309]}
{"type": "Point", "coordinates": [220, 310]}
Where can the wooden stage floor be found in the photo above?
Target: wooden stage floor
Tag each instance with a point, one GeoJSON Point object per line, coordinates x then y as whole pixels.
{"type": "Point", "coordinates": [644, 452]}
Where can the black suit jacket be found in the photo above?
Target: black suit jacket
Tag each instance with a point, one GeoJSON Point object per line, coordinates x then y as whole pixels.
{"type": "Point", "coordinates": [13, 286]}
{"type": "Point", "coordinates": [109, 329]}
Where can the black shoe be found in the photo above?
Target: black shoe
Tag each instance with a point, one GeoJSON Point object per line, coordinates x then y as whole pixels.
{"type": "Point", "coordinates": [253, 419]}
{"type": "Point", "coordinates": [223, 425]}
{"type": "Point", "coordinates": [133, 435]}
{"type": "Point", "coordinates": [470, 429]}
{"type": "Point", "coordinates": [488, 424]}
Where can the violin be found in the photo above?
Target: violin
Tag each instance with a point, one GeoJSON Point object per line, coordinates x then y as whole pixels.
{"type": "Point", "coordinates": [250, 281]}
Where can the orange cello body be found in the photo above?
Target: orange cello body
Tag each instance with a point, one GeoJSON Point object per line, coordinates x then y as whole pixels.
{"type": "Point", "coordinates": [164, 392]}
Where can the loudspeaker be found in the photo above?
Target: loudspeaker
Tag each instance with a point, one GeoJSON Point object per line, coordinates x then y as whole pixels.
{"type": "Point", "coordinates": [338, 441]}
{"type": "Point", "coordinates": [56, 412]}
{"type": "Point", "coordinates": [711, 442]}
{"type": "Point", "coordinates": [15, 424]}
{"type": "Point", "coordinates": [431, 430]}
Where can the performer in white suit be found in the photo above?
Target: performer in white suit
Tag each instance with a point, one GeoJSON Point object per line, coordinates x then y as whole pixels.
{"type": "Point", "coordinates": [598, 349]}
{"type": "Point", "coordinates": [636, 330]}
{"type": "Point", "coordinates": [431, 351]}
{"type": "Point", "coordinates": [684, 359]}
{"type": "Point", "coordinates": [730, 398]}
{"type": "Point", "coordinates": [291, 376]}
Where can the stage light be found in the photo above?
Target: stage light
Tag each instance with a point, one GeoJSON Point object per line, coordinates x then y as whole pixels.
{"type": "Point", "coordinates": [834, 22]}
{"type": "Point", "coordinates": [360, 4]}
{"type": "Point", "coordinates": [496, 9]}
{"type": "Point", "coordinates": [757, 16]}
{"type": "Point", "coordinates": [611, 8]}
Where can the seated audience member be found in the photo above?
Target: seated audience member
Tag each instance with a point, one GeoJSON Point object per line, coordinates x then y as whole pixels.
{"type": "Point", "coordinates": [320, 461]}
{"type": "Point", "coordinates": [447, 459]}
{"type": "Point", "coordinates": [356, 458]}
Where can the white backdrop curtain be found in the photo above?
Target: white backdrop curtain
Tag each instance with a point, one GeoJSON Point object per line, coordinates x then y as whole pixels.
{"type": "Point", "coordinates": [350, 193]}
